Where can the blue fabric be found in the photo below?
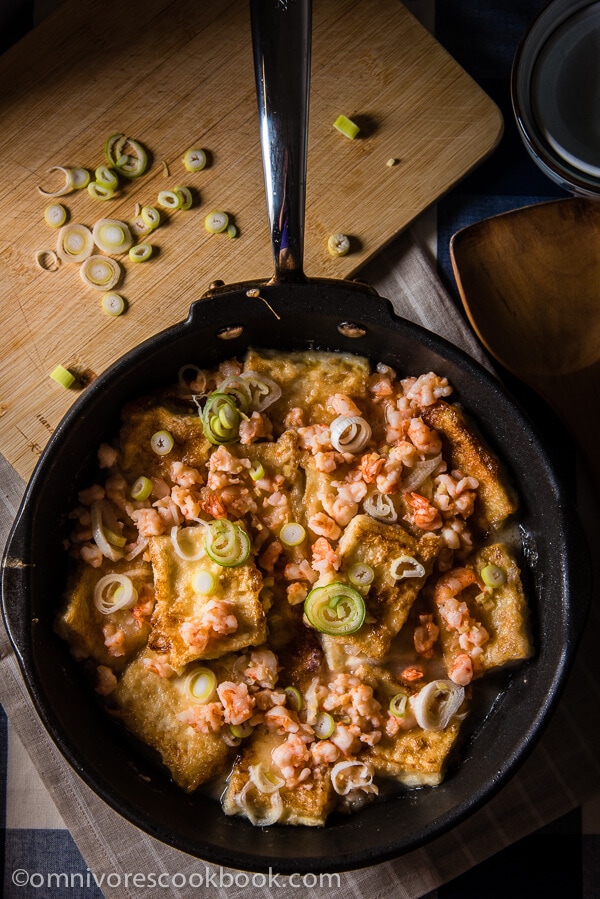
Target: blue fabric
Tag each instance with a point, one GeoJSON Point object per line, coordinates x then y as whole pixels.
{"type": "Point", "coordinates": [48, 864]}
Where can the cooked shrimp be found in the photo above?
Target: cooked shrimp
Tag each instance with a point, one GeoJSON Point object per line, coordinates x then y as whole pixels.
{"type": "Point", "coordinates": [370, 466]}
{"type": "Point", "coordinates": [252, 429]}
{"type": "Point", "coordinates": [328, 462]}
{"type": "Point", "coordinates": [342, 405]}
{"type": "Point", "coordinates": [380, 385]}
{"type": "Point", "coordinates": [426, 389]}
{"type": "Point", "coordinates": [423, 437]}
{"type": "Point", "coordinates": [425, 516]}
{"type": "Point", "coordinates": [452, 584]}
{"type": "Point", "coordinates": [206, 719]}
{"type": "Point", "coordinates": [425, 635]}
{"type": "Point", "coordinates": [341, 510]}
{"type": "Point", "coordinates": [269, 556]}
{"type": "Point", "coordinates": [281, 720]}
{"type": "Point", "coordinates": [263, 668]}
{"type": "Point", "coordinates": [291, 757]}
{"type": "Point", "coordinates": [148, 522]}
{"type": "Point", "coordinates": [159, 667]}
{"type": "Point", "coordinates": [346, 738]}
{"type": "Point", "coordinates": [294, 418]}
{"type": "Point", "coordinates": [299, 571]}
{"type": "Point", "coordinates": [324, 752]}
{"type": "Point", "coordinates": [90, 553]}
{"type": "Point", "coordinates": [324, 558]}
{"type": "Point", "coordinates": [222, 460]}
{"type": "Point", "coordinates": [237, 702]}
{"type": "Point", "coordinates": [461, 669]}
{"type": "Point", "coordinates": [114, 640]}
{"type": "Point", "coordinates": [316, 438]}
{"type": "Point", "coordinates": [296, 593]}
{"type": "Point", "coordinates": [213, 505]}
{"type": "Point", "coordinates": [187, 501]}
{"type": "Point", "coordinates": [324, 526]}
{"type": "Point", "coordinates": [105, 680]}
{"type": "Point", "coordinates": [107, 455]}
{"type": "Point", "coordinates": [184, 475]}
{"type": "Point", "coordinates": [411, 673]}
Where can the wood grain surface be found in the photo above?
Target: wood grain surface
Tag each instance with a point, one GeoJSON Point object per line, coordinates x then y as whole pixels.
{"type": "Point", "coordinates": [179, 74]}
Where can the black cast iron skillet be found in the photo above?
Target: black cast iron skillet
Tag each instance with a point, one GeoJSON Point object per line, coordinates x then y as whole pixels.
{"type": "Point", "coordinates": [325, 315]}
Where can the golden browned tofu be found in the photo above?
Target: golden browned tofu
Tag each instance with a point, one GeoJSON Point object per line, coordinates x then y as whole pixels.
{"type": "Point", "coordinates": [82, 624]}
{"type": "Point", "coordinates": [414, 757]}
{"type": "Point", "coordinates": [300, 805]}
{"type": "Point", "coordinates": [464, 450]}
{"type": "Point", "coordinates": [179, 608]}
{"type": "Point", "coordinates": [149, 706]}
{"type": "Point", "coordinates": [502, 611]}
{"type": "Point", "coordinates": [143, 419]}
{"type": "Point", "coordinates": [388, 601]}
{"type": "Point", "coordinates": [308, 378]}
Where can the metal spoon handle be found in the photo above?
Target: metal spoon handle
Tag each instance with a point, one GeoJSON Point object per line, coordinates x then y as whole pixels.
{"type": "Point", "coordinates": [281, 40]}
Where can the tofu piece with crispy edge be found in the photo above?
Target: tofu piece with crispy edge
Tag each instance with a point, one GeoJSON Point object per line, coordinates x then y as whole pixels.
{"type": "Point", "coordinates": [307, 378]}
{"type": "Point", "coordinates": [81, 623]}
{"type": "Point", "coordinates": [464, 449]}
{"type": "Point", "coordinates": [144, 418]}
{"type": "Point", "coordinates": [388, 601]}
{"type": "Point", "coordinates": [177, 602]}
{"type": "Point", "coordinates": [301, 805]}
{"type": "Point", "coordinates": [503, 612]}
{"type": "Point", "coordinates": [414, 757]}
{"type": "Point", "coordinates": [149, 705]}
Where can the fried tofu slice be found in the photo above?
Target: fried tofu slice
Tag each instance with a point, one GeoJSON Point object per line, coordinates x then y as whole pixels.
{"type": "Point", "coordinates": [82, 624]}
{"type": "Point", "coordinates": [464, 449]}
{"type": "Point", "coordinates": [149, 706]}
{"type": "Point", "coordinates": [414, 757]}
{"type": "Point", "coordinates": [307, 378]}
{"type": "Point", "coordinates": [503, 612]}
{"type": "Point", "coordinates": [177, 603]}
{"type": "Point", "coordinates": [388, 601]}
{"type": "Point", "coordinates": [301, 805]}
{"type": "Point", "coordinates": [146, 417]}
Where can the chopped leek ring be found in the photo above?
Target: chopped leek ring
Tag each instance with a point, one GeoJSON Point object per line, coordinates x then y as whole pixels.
{"type": "Point", "coordinates": [232, 231]}
{"type": "Point", "coordinates": [99, 191]}
{"type": "Point", "coordinates": [100, 272]}
{"type": "Point", "coordinates": [263, 390]}
{"type": "Point", "coordinates": [126, 155]}
{"type": "Point", "coordinates": [218, 426]}
{"type": "Point", "coordinates": [47, 260]}
{"type": "Point", "coordinates": [113, 304]}
{"type": "Point", "coordinates": [162, 442]}
{"type": "Point", "coordinates": [168, 199]}
{"type": "Point", "coordinates": [241, 731]}
{"type": "Point", "coordinates": [227, 543]}
{"type": "Point", "coordinates": [397, 706]}
{"type": "Point", "coordinates": [216, 221]}
{"type": "Point", "coordinates": [380, 506]}
{"type": "Point", "coordinates": [493, 576]}
{"type": "Point", "coordinates": [141, 252]}
{"type": "Point", "coordinates": [292, 534]}
{"type": "Point", "coordinates": [141, 489]}
{"type": "Point", "coordinates": [80, 178]}
{"type": "Point", "coordinates": [294, 699]}
{"type": "Point", "coordinates": [239, 389]}
{"type": "Point", "coordinates": [436, 704]}
{"type": "Point", "coordinates": [350, 433]}
{"type": "Point", "coordinates": [204, 583]}
{"type": "Point", "coordinates": [352, 775]}
{"type": "Point", "coordinates": [338, 244]}
{"type": "Point", "coordinates": [324, 726]}
{"type": "Point", "coordinates": [185, 545]}
{"type": "Point", "coordinates": [200, 684]}
{"type": "Point", "coordinates": [106, 177]}
{"type": "Point", "coordinates": [151, 216]}
{"type": "Point", "coordinates": [67, 186]}
{"type": "Point", "coordinates": [264, 781]}
{"type": "Point", "coordinates": [55, 215]}
{"type": "Point", "coordinates": [74, 243]}
{"type": "Point", "coordinates": [335, 609]}
{"type": "Point", "coordinates": [114, 592]}
{"type": "Point", "coordinates": [103, 517]}
{"type": "Point", "coordinates": [257, 472]}
{"type": "Point", "coordinates": [112, 236]}
{"type": "Point", "coordinates": [185, 195]}
{"type": "Point", "coordinates": [62, 376]}
{"type": "Point", "coordinates": [406, 566]}
{"type": "Point", "coordinates": [346, 127]}
{"type": "Point", "coordinates": [361, 574]}
{"type": "Point", "coordinates": [194, 159]}
{"type": "Point", "coordinates": [139, 227]}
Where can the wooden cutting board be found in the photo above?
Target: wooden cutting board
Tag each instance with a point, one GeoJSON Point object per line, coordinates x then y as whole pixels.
{"type": "Point", "coordinates": [176, 74]}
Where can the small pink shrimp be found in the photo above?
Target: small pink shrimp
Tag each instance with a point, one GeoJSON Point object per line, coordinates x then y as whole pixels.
{"type": "Point", "coordinates": [316, 438]}
{"type": "Point", "coordinates": [291, 757]}
{"type": "Point", "coordinates": [327, 462]}
{"type": "Point", "coordinates": [184, 475]}
{"type": "Point", "coordinates": [114, 640]}
{"type": "Point", "coordinates": [461, 669]}
{"type": "Point", "coordinates": [269, 556]}
{"type": "Point", "coordinates": [263, 668]}
{"type": "Point", "coordinates": [90, 553]}
{"type": "Point", "coordinates": [324, 526]}
{"type": "Point", "coordinates": [370, 466]}
{"type": "Point", "coordinates": [324, 752]}
{"type": "Point", "coordinates": [341, 404]}
{"type": "Point", "coordinates": [346, 738]}
{"type": "Point", "coordinates": [159, 667]}
{"type": "Point", "coordinates": [299, 571]}
{"type": "Point", "coordinates": [148, 522]}
{"type": "Point", "coordinates": [423, 437]}
{"type": "Point", "coordinates": [237, 702]}
{"type": "Point", "coordinates": [324, 557]}
{"type": "Point", "coordinates": [294, 418]}
{"type": "Point", "coordinates": [145, 605]}
{"type": "Point", "coordinates": [425, 635]}
{"type": "Point", "coordinates": [452, 583]}
{"type": "Point", "coordinates": [105, 680]}
{"type": "Point", "coordinates": [213, 505]}
{"type": "Point", "coordinates": [281, 720]}
{"type": "Point", "coordinates": [425, 516]}
{"type": "Point", "coordinates": [206, 719]}
{"type": "Point", "coordinates": [411, 674]}
{"type": "Point", "coordinates": [187, 501]}
{"type": "Point", "coordinates": [107, 455]}
{"type": "Point", "coordinates": [222, 460]}
{"type": "Point", "coordinates": [257, 426]}
{"type": "Point", "coordinates": [296, 593]}
{"type": "Point", "coordinates": [341, 510]}
{"type": "Point", "coordinates": [380, 385]}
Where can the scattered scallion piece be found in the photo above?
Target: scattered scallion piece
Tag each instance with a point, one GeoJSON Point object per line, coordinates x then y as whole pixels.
{"type": "Point", "coordinates": [186, 196]}
{"type": "Point", "coordinates": [216, 221]}
{"type": "Point", "coordinates": [194, 159]}
{"type": "Point", "coordinates": [151, 216]}
{"type": "Point", "coordinates": [350, 433]}
{"type": "Point", "coordinates": [227, 543]}
{"type": "Point", "coordinates": [204, 583]}
{"type": "Point", "coordinates": [74, 243]}
{"type": "Point", "coordinates": [324, 726]}
{"type": "Point", "coordinates": [62, 376]}
{"type": "Point", "coordinates": [162, 442]}
{"type": "Point", "coordinates": [168, 199]}
{"type": "Point", "coordinates": [100, 272]}
{"type": "Point", "coordinates": [139, 227]}
{"type": "Point", "coordinates": [346, 127]}
{"type": "Point", "coordinates": [292, 534]}
{"type": "Point", "coordinates": [241, 731]}
{"type": "Point", "coordinates": [257, 472]}
{"type": "Point", "coordinates": [397, 705]}
{"type": "Point", "coordinates": [112, 236]}
{"type": "Point", "coordinates": [361, 574]}
{"type": "Point", "coordinates": [186, 544]}
{"type": "Point", "coordinates": [55, 215]}
{"type": "Point", "coordinates": [113, 303]}
{"type": "Point", "coordinates": [114, 592]}
{"type": "Point", "coordinates": [141, 252]}
{"type": "Point", "coordinates": [106, 177]}
{"type": "Point", "coordinates": [335, 609]}
{"type": "Point", "coordinates": [232, 231]}
{"type": "Point", "coordinates": [99, 191]}
{"type": "Point", "coordinates": [200, 684]}
{"type": "Point", "coordinates": [294, 698]}
{"type": "Point", "coordinates": [65, 188]}
{"type": "Point", "coordinates": [47, 260]}
{"type": "Point", "coordinates": [338, 244]}
{"type": "Point", "coordinates": [493, 576]}
{"type": "Point", "coordinates": [406, 566]}
{"type": "Point", "coordinates": [141, 489]}
{"type": "Point", "coordinates": [126, 155]}
{"type": "Point", "coordinates": [221, 418]}
{"type": "Point", "coordinates": [80, 178]}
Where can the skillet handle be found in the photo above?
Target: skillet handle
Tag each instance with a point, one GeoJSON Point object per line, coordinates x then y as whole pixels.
{"type": "Point", "coordinates": [281, 40]}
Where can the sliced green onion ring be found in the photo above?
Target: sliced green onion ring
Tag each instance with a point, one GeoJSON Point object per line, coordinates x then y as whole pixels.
{"type": "Point", "coordinates": [126, 155]}
{"type": "Point", "coordinates": [162, 442]}
{"type": "Point", "coordinates": [47, 260]}
{"type": "Point", "coordinates": [168, 199]}
{"type": "Point", "coordinates": [112, 236]}
{"type": "Point", "coordinates": [66, 188]}
{"type": "Point", "coordinates": [221, 418]}
{"type": "Point", "coordinates": [405, 567]}
{"type": "Point", "coordinates": [232, 230]}
{"type": "Point", "coordinates": [139, 227]}
{"type": "Point", "coordinates": [74, 243]}
{"type": "Point", "coordinates": [380, 506]}
{"type": "Point", "coordinates": [263, 391]}
{"type": "Point", "coordinates": [55, 215]}
{"type": "Point", "coordinates": [200, 684]}
{"type": "Point", "coordinates": [350, 433]}
{"type": "Point", "coordinates": [106, 177]}
{"type": "Point", "coordinates": [80, 178]}
{"type": "Point", "coordinates": [197, 375]}
{"type": "Point", "coordinates": [292, 534]}
{"type": "Point", "coordinates": [103, 519]}
{"type": "Point", "coordinates": [294, 699]}
{"type": "Point", "coordinates": [185, 545]}
{"type": "Point", "coordinates": [241, 731]}
{"type": "Point", "coordinates": [338, 245]}
{"type": "Point", "coordinates": [113, 303]}
{"type": "Point", "coordinates": [397, 706]}
{"type": "Point", "coordinates": [346, 127]}
{"type": "Point", "coordinates": [227, 543]}
{"type": "Point", "coordinates": [436, 704]}
{"type": "Point", "coordinates": [204, 583]}
{"type": "Point", "coordinates": [257, 472]}
{"type": "Point", "coordinates": [114, 592]}
{"type": "Point", "coordinates": [185, 195]}
{"type": "Point", "coordinates": [216, 221]}
{"type": "Point", "coordinates": [100, 272]}
{"type": "Point", "coordinates": [239, 389]}
{"type": "Point", "coordinates": [141, 252]}
{"type": "Point", "coordinates": [151, 216]}
{"type": "Point", "coordinates": [100, 191]}
{"type": "Point", "coordinates": [335, 609]}
{"type": "Point", "coordinates": [194, 159]}
{"type": "Point", "coordinates": [360, 574]}
{"type": "Point", "coordinates": [62, 376]}
{"type": "Point", "coordinates": [141, 489]}
{"type": "Point", "coordinates": [493, 576]}
{"type": "Point", "coordinates": [264, 780]}
{"type": "Point", "coordinates": [324, 726]}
